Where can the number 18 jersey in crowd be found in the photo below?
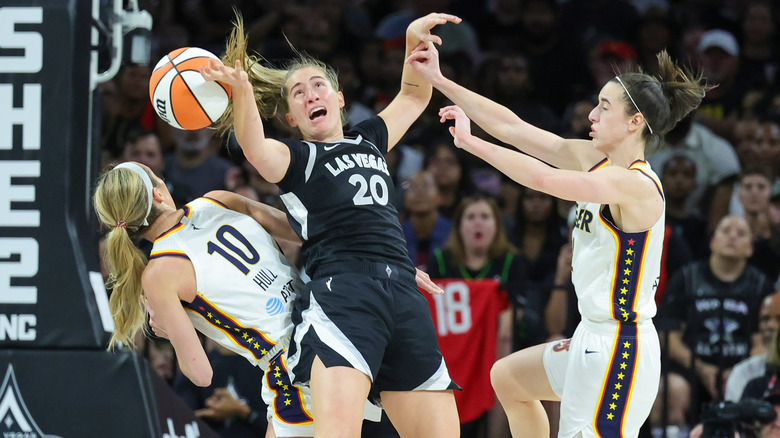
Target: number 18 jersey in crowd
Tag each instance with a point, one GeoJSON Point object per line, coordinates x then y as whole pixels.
{"type": "Point", "coordinates": [245, 294]}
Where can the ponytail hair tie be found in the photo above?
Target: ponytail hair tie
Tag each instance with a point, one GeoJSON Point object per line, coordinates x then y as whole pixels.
{"type": "Point", "coordinates": [122, 224]}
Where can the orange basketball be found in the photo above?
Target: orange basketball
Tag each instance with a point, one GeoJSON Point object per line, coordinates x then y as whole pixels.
{"type": "Point", "coordinates": [181, 96]}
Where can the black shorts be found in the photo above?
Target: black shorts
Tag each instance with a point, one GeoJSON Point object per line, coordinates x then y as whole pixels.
{"type": "Point", "coordinates": [370, 317]}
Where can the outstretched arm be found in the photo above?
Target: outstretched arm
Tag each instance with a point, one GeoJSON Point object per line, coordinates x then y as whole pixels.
{"type": "Point", "coordinates": [270, 157]}
{"type": "Point", "coordinates": [636, 195]}
{"type": "Point", "coordinates": [502, 123]}
{"type": "Point", "coordinates": [416, 91]}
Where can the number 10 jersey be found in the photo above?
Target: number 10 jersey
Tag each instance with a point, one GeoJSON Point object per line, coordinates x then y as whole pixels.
{"type": "Point", "coordinates": [245, 286]}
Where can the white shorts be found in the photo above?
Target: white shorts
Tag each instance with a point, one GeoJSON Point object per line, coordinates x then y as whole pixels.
{"type": "Point", "coordinates": [289, 406]}
{"type": "Point", "coordinates": [607, 377]}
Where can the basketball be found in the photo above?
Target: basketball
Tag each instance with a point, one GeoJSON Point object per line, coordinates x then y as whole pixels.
{"type": "Point", "coordinates": [179, 93]}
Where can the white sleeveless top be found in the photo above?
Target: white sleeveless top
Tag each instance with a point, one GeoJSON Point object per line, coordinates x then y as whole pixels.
{"type": "Point", "coordinates": [245, 285]}
{"type": "Point", "coordinates": [615, 274]}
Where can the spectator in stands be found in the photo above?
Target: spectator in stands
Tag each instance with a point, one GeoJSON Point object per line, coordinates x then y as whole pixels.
{"type": "Point", "coordinates": [194, 162]}
{"type": "Point", "coordinates": [144, 147]}
{"type": "Point", "coordinates": [539, 233]}
{"type": "Point", "coordinates": [766, 252]}
{"type": "Point", "coordinates": [477, 249]}
{"type": "Point", "coordinates": [452, 173]}
{"type": "Point", "coordinates": [709, 313]}
{"type": "Point", "coordinates": [128, 109]}
{"type": "Point", "coordinates": [756, 365]}
{"type": "Point", "coordinates": [753, 194]}
{"type": "Point", "coordinates": [719, 58]}
{"type": "Point", "coordinates": [678, 177]}
{"type": "Point", "coordinates": [425, 228]}
{"type": "Point", "coordinates": [717, 167]}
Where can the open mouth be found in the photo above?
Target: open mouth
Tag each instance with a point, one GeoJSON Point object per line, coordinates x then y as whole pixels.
{"type": "Point", "coordinates": [318, 112]}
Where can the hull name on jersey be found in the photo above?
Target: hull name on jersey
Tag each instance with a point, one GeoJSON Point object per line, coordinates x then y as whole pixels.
{"type": "Point", "coordinates": [264, 278]}
{"type": "Point", "coordinates": [349, 161]}
{"type": "Point", "coordinates": [584, 218]}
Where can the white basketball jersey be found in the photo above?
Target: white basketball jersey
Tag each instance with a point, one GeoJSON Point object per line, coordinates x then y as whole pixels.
{"type": "Point", "coordinates": [246, 287]}
{"type": "Point", "coordinates": [615, 273]}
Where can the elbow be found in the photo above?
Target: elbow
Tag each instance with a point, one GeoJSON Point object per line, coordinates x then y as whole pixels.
{"type": "Point", "coordinates": [200, 377]}
{"type": "Point", "coordinates": [540, 180]}
{"type": "Point", "coordinates": [203, 379]}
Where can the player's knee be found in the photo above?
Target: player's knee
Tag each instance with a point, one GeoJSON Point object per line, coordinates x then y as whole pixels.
{"type": "Point", "coordinates": [501, 375]}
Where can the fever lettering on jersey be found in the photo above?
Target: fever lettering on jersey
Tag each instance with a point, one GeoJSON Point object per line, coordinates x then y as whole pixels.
{"type": "Point", "coordinates": [584, 218]}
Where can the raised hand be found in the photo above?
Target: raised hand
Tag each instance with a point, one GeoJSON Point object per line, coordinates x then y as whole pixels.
{"type": "Point", "coordinates": [461, 132]}
{"type": "Point", "coordinates": [217, 71]}
{"type": "Point", "coordinates": [425, 60]}
{"type": "Point", "coordinates": [421, 27]}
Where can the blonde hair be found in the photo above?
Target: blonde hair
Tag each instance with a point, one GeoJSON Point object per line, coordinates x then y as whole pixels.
{"type": "Point", "coordinates": [268, 83]}
{"type": "Point", "coordinates": [121, 202]}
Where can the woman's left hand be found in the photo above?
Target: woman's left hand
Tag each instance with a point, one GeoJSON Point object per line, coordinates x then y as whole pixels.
{"type": "Point", "coordinates": [425, 283]}
{"type": "Point", "coordinates": [462, 129]}
{"type": "Point", "coordinates": [421, 27]}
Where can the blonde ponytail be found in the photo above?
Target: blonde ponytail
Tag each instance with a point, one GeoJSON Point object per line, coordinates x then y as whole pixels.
{"type": "Point", "coordinates": [121, 203]}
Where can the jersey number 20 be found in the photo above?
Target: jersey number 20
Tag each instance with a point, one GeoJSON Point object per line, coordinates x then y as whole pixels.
{"type": "Point", "coordinates": [376, 185]}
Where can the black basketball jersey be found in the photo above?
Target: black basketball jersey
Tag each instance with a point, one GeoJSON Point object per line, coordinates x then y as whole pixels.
{"type": "Point", "coordinates": [338, 197]}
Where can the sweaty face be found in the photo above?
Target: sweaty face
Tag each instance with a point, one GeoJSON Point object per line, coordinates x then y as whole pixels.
{"type": "Point", "coordinates": [314, 105]}
{"type": "Point", "coordinates": [478, 226]}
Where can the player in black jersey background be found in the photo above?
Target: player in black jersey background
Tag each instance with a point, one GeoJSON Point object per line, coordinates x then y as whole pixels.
{"type": "Point", "coordinates": [362, 327]}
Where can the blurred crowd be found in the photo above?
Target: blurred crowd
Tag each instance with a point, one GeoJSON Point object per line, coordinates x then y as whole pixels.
{"type": "Point", "coordinates": [546, 61]}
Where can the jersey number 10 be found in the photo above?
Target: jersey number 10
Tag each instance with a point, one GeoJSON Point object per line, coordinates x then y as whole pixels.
{"type": "Point", "coordinates": [251, 258]}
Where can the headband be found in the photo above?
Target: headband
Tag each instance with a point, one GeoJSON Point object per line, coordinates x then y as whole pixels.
{"type": "Point", "coordinates": [147, 183]}
{"type": "Point", "coordinates": [635, 105]}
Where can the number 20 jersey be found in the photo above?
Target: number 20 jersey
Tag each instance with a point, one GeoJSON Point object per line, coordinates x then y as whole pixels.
{"type": "Point", "coordinates": [339, 197]}
{"type": "Point", "coordinates": [245, 285]}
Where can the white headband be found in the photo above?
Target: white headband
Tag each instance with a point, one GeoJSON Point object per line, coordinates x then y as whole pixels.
{"type": "Point", "coordinates": [147, 182]}
{"type": "Point", "coordinates": [635, 106]}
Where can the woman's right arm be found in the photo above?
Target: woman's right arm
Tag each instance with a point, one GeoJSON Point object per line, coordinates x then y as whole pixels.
{"type": "Point", "coordinates": [503, 124]}
{"type": "Point", "coordinates": [161, 282]}
{"type": "Point", "coordinates": [270, 157]}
